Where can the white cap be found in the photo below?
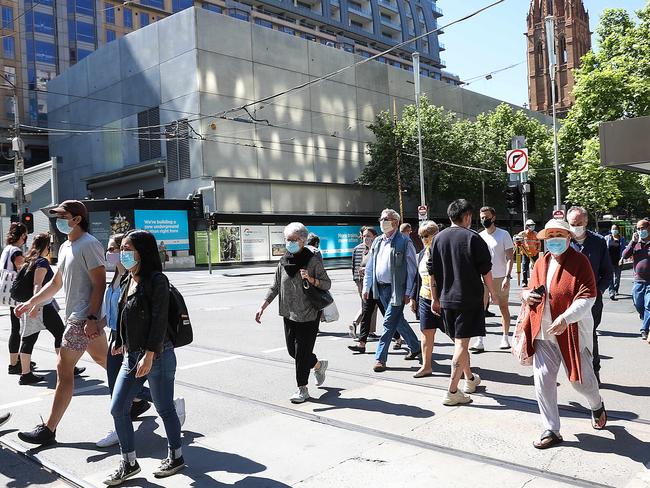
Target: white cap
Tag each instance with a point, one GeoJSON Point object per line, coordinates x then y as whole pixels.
{"type": "Point", "coordinates": [554, 224]}
{"type": "Point", "coordinates": [530, 222]}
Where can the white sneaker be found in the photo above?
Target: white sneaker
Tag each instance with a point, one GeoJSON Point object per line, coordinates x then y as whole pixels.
{"type": "Point", "coordinates": [505, 343]}
{"type": "Point", "coordinates": [458, 398]}
{"type": "Point", "coordinates": [319, 374]}
{"type": "Point", "coordinates": [179, 403]}
{"type": "Point", "coordinates": [478, 345]}
{"type": "Point", "coordinates": [108, 440]}
{"type": "Point", "coordinates": [470, 385]}
{"type": "Point", "coordinates": [352, 331]}
{"type": "Point", "coordinates": [301, 395]}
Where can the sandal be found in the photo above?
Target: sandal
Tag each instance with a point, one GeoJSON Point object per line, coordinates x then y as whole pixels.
{"type": "Point", "coordinates": [597, 420]}
{"type": "Point", "coordinates": [423, 374]}
{"type": "Point", "coordinates": [548, 439]}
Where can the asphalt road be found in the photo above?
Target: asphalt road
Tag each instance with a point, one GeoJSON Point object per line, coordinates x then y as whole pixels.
{"type": "Point", "coordinates": [361, 428]}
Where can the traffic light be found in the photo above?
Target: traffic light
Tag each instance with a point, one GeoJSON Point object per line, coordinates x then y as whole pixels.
{"type": "Point", "coordinates": [197, 206]}
{"type": "Point", "coordinates": [529, 190]}
{"type": "Point", "coordinates": [28, 220]}
{"type": "Point", "coordinates": [513, 198]}
{"type": "Point", "coordinates": [213, 221]}
{"type": "Point", "coordinates": [14, 218]}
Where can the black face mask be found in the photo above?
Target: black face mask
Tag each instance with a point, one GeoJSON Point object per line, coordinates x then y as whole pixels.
{"type": "Point", "coordinates": [487, 223]}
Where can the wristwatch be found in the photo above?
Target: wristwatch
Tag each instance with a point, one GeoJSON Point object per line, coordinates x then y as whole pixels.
{"type": "Point", "coordinates": [91, 317]}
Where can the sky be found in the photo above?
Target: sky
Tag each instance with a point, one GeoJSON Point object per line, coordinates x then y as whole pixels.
{"type": "Point", "coordinates": [495, 39]}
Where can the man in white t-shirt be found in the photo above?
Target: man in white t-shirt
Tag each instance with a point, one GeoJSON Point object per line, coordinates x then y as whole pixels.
{"type": "Point", "coordinates": [502, 250]}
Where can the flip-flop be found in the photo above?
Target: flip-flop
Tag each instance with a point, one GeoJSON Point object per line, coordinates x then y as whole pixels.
{"type": "Point", "coordinates": [548, 439]}
{"type": "Point", "coordinates": [596, 416]}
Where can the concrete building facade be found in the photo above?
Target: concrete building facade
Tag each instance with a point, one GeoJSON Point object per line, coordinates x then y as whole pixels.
{"type": "Point", "coordinates": [167, 129]}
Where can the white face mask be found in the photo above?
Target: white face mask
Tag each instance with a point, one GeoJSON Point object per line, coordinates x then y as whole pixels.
{"type": "Point", "coordinates": [386, 226]}
{"type": "Point", "coordinates": [578, 230]}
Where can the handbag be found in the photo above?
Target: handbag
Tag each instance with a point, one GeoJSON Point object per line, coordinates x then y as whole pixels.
{"type": "Point", "coordinates": [31, 325]}
{"type": "Point", "coordinates": [330, 313]}
{"type": "Point", "coordinates": [317, 297]}
{"type": "Point", "coordinates": [6, 281]}
{"type": "Point", "coordinates": [519, 348]}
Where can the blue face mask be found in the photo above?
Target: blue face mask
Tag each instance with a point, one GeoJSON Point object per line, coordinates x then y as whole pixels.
{"type": "Point", "coordinates": [63, 226]}
{"type": "Point", "coordinates": [557, 245]}
{"type": "Point", "coordinates": [127, 258]}
{"type": "Point", "coordinates": [643, 234]}
{"type": "Point", "coordinates": [292, 246]}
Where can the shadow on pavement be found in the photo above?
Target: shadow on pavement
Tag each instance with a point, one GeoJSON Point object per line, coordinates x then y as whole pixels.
{"type": "Point", "coordinates": [611, 333]}
{"type": "Point", "coordinates": [643, 391]}
{"type": "Point", "coordinates": [19, 473]}
{"type": "Point", "coordinates": [332, 397]}
{"type": "Point", "coordinates": [624, 444]}
{"type": "Point", "coordinates": [504, 377]}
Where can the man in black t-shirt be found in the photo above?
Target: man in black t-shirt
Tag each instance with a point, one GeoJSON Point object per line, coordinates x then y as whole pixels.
{"type": "Point", "coordinates": [459, 264]}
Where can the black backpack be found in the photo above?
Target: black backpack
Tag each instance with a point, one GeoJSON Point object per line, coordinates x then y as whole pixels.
{"type": "Point", "coordinates": [22, 289]}
{"type": "Point", "coordinates": [180, 326]}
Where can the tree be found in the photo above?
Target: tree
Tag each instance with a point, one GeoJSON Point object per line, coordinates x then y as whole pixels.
{"type": "Point", "coordinates": [612, 83]}
{"type": "Point", "coordinates": [592, 186]}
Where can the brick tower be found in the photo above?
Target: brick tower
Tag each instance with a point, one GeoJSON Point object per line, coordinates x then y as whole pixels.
{"type": "Point", "coordinates": [572, 41]}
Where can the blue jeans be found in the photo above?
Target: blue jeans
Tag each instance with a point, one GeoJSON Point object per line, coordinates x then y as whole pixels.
{"type": "Point", "coordinates": [394, 319]}
{"type": "Point", "coordinates": [113, 364]}
{"type": "Point", "coordinates": [613, 287]}
{"type": "Point", "coordinates": [161, 382]}
{"type": "Point", "coordinates": [641, 299]}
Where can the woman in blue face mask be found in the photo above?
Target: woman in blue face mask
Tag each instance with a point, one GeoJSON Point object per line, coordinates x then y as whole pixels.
{"type": "Point", "coordinates": [301, 318]}
{"type": "Point", "coordinates": [557, 329]}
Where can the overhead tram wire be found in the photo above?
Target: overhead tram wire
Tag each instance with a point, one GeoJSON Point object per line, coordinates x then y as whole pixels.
{"type": "Point", "coordinates": [300, 86]}
{"type": "Point", "coordinates": [25, 12]}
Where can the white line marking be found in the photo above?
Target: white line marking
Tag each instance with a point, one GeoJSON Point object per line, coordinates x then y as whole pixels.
{"type": "Point", "coordinates": [206, 363]}
{"type": "Point", "coordinates": [8, 406]}
{"type": "Point", "coordinates": [49, 393]}
{"type": "Point", "coordinates": [274, 350]}
{"type": "Point", "coordinates": [335, 338]}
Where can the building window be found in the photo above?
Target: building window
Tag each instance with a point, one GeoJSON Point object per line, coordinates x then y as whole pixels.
{"type": "Point", "coordinates": [85, 32]}
{"type": "Point", "coordinates": [40, 22]}
{"type": "Point", "coordinates": [563, 52]}
{"type": "Point", "coordinates": [264, 23]}
{"type": "Point", "coordinates": [110, 35]}
{"type": "Point", "coordinates": [9, 73]}
{"type": "Point", "coordinates": [539, 56]}
{"type": "Point", "coordinates": [307, 36]}
{"type": "Point", "coordinates": [303, 5]}
{"type": "Point", "coordinates": [8, 18]}
{"type": "Point", "coordinates": [84, 7]}
{"type": "Point", "coordinates": [212, 7]}
{"type": "Point", "coordinates": [9, 107]}
{"type": "Point", "coordinates": [238, 14]}
{"type": "Point", "coordinates": [178, 5]}
{"type": "Point", "coordinates": [354, 23]}
{"type": "Point", "coordinates": [144, 19]}
{"type": "Point", "coordinates": [149, 145]}
{"type": "Point", "coordinates": [9, 47]}
{"type": "Point", "coordinates": [128, 17]}
{"type": "Point", "coordinates": [41, 51]}
{"type": "Point", "coordinates": [287, 30]}
{"type": "Point", "coordinates": [178, 150]}
{"type": "Point", "coordinates": [109, 13]}
{"type": "Point", "coordinates": [355, 5]}
{"type": "Point", "coordinates": [159, 4]}
{"type": "Point", "coordinates": [349, 48]}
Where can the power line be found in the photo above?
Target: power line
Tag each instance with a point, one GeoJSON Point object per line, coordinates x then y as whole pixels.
{"type": "Point", "coordinates": [25, 12]}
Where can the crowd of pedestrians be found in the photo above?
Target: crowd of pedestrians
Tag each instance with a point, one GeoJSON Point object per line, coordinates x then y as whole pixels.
{"type": "Point", "coordinates": [449, 285]}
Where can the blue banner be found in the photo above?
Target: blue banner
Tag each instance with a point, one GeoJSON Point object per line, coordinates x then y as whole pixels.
{"type": "Point", "coordinates": [168, 226]}
{"type": "Point", "coordinates": [337, 241]}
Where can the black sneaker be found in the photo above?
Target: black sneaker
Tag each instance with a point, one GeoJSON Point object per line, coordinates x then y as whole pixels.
{"type": "Point", "coordinates": [490, 314]}
{"type": "Point", "coordinates": [138, 408]}
{"type": "Point", "coordinates": [125, 471]}
{"type": "Point", "coordinates": [41, 435]}
{"type": "Point", "coordinates": [30, 379]}
{"type": "Point", "coordinates": [79, 371]}
{"type": "Point", "coordinates": [18, 368]}
{"type": "Point", "coordinates": [169, 467]}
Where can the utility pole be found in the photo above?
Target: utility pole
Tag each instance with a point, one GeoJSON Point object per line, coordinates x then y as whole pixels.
{"type": "Point", "coordinates": [416, 79]}
{"type": "Point", "coordinates": [18, 147]}
{"type": "Point", "coordinates": [550, 46]}
{"type": "Point", "coordinates": [397, 163]}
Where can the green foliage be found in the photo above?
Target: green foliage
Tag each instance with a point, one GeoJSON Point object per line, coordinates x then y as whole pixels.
{"type": "Point", "coordinates": [611, 84]}
{"type": "Point", "coordinates": [446, 139]}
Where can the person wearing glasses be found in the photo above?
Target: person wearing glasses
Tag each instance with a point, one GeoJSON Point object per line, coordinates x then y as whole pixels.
{"type": "Point", "coordinates": [390, 276]}
{"type": "Point", "coordinates": [637, 249]}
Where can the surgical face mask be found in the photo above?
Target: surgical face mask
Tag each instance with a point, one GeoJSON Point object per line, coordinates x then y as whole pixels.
{"type": "Point", "coordinates": [557, 245]}
{"type": "Point", "coordinates": [112, 257]}
{"type": "Point", "coordinates": [614, 232]}
{"type": "Point", "coordinates": [643, 233]}
{"type": "Point", "coordinates": [292, 246]}
{"type": "Point", "coordinates": [578, 230]}
{"type": "Point", "coordinates": [386, 226]}
{"type": "Point", "coordinates": [530, 227]}
{"type": "Point", "coordinates": [487, 223]}
{"type": "Point", "coordinates": [63, 226]}
{"type": "Point", "coordinates": [368, 241]}
{"type": "Point", "coordinates": [127, 258]}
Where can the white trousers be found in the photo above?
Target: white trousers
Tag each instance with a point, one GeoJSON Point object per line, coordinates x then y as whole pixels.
{"type": "Point", "coordinates": [546, 365]}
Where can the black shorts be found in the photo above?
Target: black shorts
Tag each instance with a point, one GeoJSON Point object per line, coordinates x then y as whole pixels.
{"type": "Point", "coordinates": [464, 323]}
{"type": "Point", "coordinates": [428, 320]}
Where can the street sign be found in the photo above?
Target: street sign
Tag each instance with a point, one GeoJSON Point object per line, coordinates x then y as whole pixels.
{"type": "Point", "coordinates": [558, 214]}
{"type": "Point", "coordinates": [517, 161]}
{"type": "Point", "coordinates": [423, 210]}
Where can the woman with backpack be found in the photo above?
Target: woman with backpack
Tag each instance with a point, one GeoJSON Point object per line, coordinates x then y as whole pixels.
{"type": "Point", "coordinates": [11, 260]}
{"type": "Point", "coordinates": [36, 273]}
{"type": "Point", "coordinates": [144, 339]}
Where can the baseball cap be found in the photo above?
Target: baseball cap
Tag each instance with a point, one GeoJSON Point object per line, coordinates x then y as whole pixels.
{"type": "Point", "coordinates": [75, 207]}
{"type": "Point", "coordinates": [530, 222]}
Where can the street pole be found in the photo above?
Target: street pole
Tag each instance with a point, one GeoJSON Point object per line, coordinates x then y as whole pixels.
{"type": "Point", "coordinates": [550, 46]}
{"type": "Point", "coordinates": [416, 79]}
{"type": "Point", "coordinates": [397, 164]}
{"type": "Point", "coordinates": [18, 147]}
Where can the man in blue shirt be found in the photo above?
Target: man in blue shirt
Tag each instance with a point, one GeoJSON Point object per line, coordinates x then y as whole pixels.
{"type": "Point", "coordinates": [390, 275]}
{"type": "Point", "coordinates": [594, 247]}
